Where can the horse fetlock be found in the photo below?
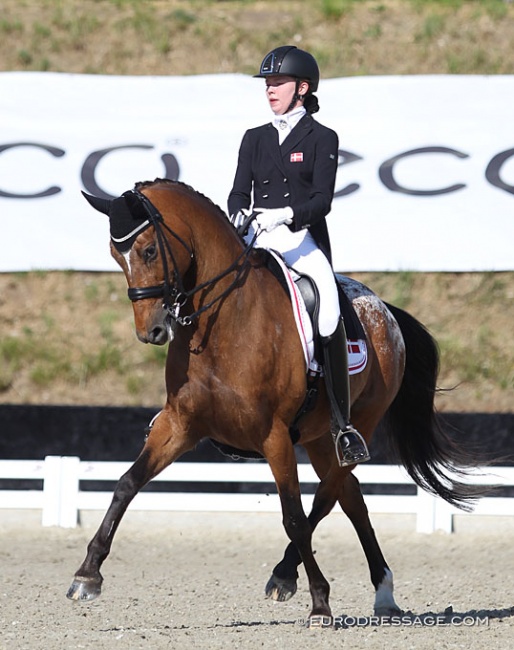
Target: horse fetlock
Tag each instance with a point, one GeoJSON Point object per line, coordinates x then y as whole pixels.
{"type": "Point", "coordinates": [385, 604]}
{"type": "Point", "coordinates": [85, 588]}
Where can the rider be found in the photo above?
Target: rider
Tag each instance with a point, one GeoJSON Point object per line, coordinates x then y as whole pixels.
{"type": "Point", "coordinates": [289, 167]}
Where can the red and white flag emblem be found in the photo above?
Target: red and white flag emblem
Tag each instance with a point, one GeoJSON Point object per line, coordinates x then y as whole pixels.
{"type": "Point", "coordinates": [297, 156]}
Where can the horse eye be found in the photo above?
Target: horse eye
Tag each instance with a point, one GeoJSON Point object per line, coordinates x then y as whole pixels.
{"type": "Point", "coordinates": [150, 253]}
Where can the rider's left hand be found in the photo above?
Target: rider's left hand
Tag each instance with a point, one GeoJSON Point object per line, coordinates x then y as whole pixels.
{"type": "Point", "coordinates": [269, 218]}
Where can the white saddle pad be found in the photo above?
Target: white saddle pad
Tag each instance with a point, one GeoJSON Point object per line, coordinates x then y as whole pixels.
{"type": "Point", "coordinates": [357, 349]}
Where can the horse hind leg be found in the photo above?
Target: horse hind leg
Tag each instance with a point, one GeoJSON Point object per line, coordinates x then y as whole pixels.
{"type": "Point", "coordinates": [282, 584]}
{"type": "Point", "coordinates": [339, 486]}
{"type": "Point", "coordinates": [353, 505]}
{"type": "Point", "coordinates": [157, 453]}
{"type": "Point", "coordinates": [282, 462]}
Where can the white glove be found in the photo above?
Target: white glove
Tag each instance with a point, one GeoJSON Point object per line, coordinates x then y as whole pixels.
{"type": "Point", "coordinates": [239, 218]}
{"type": "Point", "coordinates": [269, 218]}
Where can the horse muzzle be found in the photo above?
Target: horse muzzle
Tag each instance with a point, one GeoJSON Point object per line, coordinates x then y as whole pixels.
{"type": "Point", "coordinates": [159, 331]}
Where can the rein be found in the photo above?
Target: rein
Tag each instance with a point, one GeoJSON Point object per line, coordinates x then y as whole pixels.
{"type": "Point", "coordinates": [174, 294]}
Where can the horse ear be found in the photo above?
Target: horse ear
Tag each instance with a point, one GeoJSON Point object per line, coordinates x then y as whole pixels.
{"type": "Point", "coordinates": [102, 205]}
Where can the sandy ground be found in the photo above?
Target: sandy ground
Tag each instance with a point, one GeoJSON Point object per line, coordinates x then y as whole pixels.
{"type": "Point", "coordinates": [179, 580]}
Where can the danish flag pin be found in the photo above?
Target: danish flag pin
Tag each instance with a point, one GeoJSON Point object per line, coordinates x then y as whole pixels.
{"type": "Point", "coordinates": [296, 157]}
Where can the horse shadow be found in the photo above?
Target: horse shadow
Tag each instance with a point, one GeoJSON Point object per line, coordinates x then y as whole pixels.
{"type": "Point", "coordinates": [448, 617]}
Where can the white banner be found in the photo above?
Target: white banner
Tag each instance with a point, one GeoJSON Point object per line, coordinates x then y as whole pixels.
{"type": "Point", "coordinates": [425, 183]}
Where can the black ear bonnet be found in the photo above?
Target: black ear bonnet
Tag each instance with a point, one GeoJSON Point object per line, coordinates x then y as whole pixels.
{"type": "Point", "coordinates": [128, 217]}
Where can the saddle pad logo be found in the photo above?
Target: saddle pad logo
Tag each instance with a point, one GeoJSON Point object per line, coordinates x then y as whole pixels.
{"type": "Point", "coordinates": [357, 356]}
{"type": "Point", "coordinates": [297, 156]}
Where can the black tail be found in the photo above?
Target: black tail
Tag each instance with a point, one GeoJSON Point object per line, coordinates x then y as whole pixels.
{"type": "Point", "coordinates": [430, 456]}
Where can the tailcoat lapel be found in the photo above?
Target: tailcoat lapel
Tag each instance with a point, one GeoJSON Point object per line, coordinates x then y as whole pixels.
{"type": "Point", "coordinates": [301, 130]}
{"type": "Point", "coordinates": [271, 143]}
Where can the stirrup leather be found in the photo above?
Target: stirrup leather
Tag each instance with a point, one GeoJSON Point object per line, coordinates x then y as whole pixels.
{"type": "Point", "coordinates": [353, 452]}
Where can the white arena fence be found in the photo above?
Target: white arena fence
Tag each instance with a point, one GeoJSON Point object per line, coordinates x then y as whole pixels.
{"type": "Point", "coordinates": [61, 499]}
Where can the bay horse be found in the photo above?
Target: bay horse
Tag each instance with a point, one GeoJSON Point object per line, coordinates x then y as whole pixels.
{"type": "Point", "coordinates": [236, 373]}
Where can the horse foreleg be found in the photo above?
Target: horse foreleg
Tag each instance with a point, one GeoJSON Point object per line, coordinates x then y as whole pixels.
{"type": "Point", "coordinates": [297, 526]}
{"type": "Point", "coordinates": [353, 505]}
{"type": "Point", "coordinates": [160, 449]}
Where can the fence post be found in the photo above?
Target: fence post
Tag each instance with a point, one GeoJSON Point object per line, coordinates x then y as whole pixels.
{"type": "Point", "coordinates": [69, 497]}
{"type": "Point", "coordinates": [433, 513]}
{"type": "Point", "coordinates": [443, 516]}
{"type": "Point", "coordinates": [51, 491]}
{"type": "Point", "coordinates": [60, 491]}
{"type": "Point", "coordinates": [425, 519]}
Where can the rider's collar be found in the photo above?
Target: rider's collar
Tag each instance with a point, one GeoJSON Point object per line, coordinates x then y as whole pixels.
{"type": "Point", "coordinates": [288, 121]}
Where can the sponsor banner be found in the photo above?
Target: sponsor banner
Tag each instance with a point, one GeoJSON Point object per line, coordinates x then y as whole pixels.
{"type": "Point", "coordinates": [425, 179]}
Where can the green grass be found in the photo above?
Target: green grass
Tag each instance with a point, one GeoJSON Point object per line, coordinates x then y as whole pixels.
{"type": "Point", "coordinates": [335, 9]}
{"type": "Point", "coordinates": [106, 320]}
{"type": "Point", "coordinates": [481, 359]}
{"type": "Point", "coordinates": [11, 27]}
{"type": "Point", "coordinates": [403, 288]}
{"type": "Point", "coordinates": [433, 26]}
{"type": "Point", "coordinates": [141, 29]}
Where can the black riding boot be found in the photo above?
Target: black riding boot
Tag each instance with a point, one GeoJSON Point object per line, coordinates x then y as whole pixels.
{"type": "Point", "coordinates": [350, 445]}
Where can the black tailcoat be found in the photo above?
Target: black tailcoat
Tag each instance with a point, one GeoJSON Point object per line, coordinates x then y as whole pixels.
{"type": "Point", "coordinates": [300, 173]}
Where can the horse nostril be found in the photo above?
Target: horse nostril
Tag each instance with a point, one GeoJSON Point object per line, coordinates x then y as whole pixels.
{"type": "Point", "coordinates": [158, 335]}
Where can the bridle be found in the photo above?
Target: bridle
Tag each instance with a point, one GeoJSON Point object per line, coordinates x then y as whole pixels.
{"type": "Point", "coordinates": [172, 290]}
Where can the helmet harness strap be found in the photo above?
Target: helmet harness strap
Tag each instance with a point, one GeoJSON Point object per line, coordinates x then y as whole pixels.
{"type": "Point", "coordinates": [295, 97]}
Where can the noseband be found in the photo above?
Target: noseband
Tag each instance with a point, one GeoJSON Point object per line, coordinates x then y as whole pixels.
{"type": "Point", "coordinates": [172, 290]}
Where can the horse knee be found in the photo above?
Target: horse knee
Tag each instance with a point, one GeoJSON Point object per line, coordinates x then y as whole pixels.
{"type": "Point", "coordinates": [298, 529]}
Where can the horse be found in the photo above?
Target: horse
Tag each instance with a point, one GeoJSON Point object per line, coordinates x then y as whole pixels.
{"type": "Point", "coordinates": [236, 373]}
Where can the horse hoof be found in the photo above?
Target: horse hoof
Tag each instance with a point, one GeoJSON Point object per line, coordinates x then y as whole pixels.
{"type": "Point", "coordinates": [387, 612]}
{"type": "Point", "coordinates": [279, 589]}
{"type": "Point", "coordinates": [84, 589]}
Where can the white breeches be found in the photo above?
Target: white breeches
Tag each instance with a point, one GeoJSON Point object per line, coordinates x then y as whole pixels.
{"type": "Point", "coordinates": [302, 253]}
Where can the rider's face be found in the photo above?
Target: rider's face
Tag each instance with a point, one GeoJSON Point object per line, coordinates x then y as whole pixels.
{"type": "Point", "coordinates": [280, 90]}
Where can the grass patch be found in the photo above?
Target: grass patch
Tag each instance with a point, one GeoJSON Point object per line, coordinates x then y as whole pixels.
{"type": "Point", "coordinates": [403, 288]}
{"type": "Point", "coordinates": [335, 9]}
{"type": "Point", "coordinates": [433, 26]}
{"type": "Point", "coordinates": [10, 361]}
{"type": "Point", "coordinates": [134, 384]}
{"type": "Point", "coordinates": [207, 37]}
{"type": "Point", "coordinates": [8, 27]}
{"type": "Point", "coordinates": [106, 321]}
{"type": "Point", "coordinates": [25, 58]}
{"type": "Point", "coordinates": [156, 354]}
{"type": "Point", "coordinates": [108, 357]}
{"type": "Point", "coordinates": [481, 359]}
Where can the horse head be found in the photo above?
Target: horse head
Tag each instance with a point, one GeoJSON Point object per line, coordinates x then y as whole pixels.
{"type": "Point", "coordinates": [154, 257]}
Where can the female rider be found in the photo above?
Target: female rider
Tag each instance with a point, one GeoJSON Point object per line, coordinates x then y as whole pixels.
{"type": "Point", "coordinates": [287, 169]}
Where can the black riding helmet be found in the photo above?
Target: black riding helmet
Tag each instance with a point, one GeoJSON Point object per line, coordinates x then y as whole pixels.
{"type": "Point", "coordinates": [290, 61]}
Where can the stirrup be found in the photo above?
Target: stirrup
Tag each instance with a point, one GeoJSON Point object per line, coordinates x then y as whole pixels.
{"type": "Point", "coordinates": [351, 447]}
